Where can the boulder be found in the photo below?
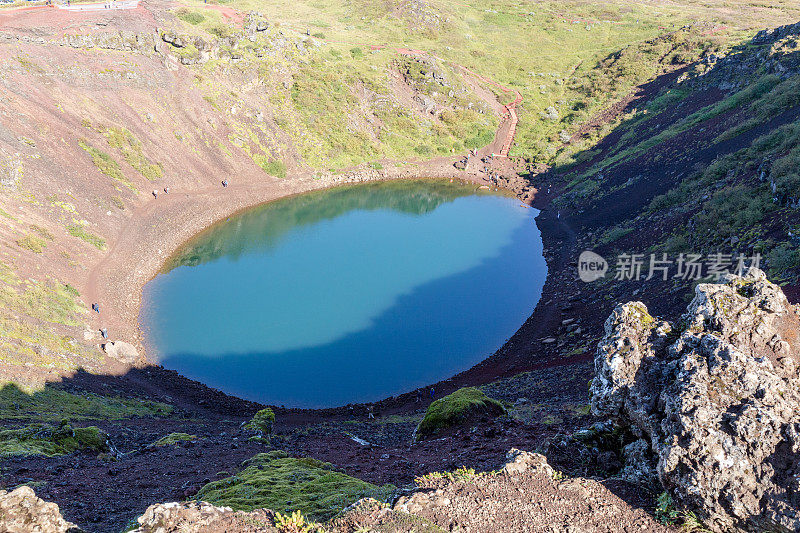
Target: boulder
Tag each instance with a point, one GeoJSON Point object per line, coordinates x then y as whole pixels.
{"type": "Point", "coordinates": [121, 351]}
{"type": "Point", "coordinates": [201, 517]}
{"type": "Point", "coordinates": [520, 461]}
{"type": "Point", "coordinates": [716, 403]}
{"type": "Point", "coordinates": [463, 407]}
{"type": "Point", "coordinates": [21, 511]}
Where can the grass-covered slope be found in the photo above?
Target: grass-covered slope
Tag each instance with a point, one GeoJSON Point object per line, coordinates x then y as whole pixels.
{"type": "Point", "coordinates": [707, 166]}
{"type": "Point", "coordinates": [567, 60]}
{"type": "Point", "coordinates": [40, 439]}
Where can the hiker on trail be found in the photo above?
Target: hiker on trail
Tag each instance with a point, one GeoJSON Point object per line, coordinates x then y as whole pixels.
{"type": "Point", "coordinates": [104, 333]}
{"type": "Point", "coordinates": [96, 308]}
{"type": "Point", "coordinates": [433, 393]}
{"type": "Point", "coordinates": [166, 190]}
{"type": "Point", "coordinates": [558, 215]}
{"type": "Point", "coordinates": [224, 183]}
{"type": "Point", "coordinates": [371, 412]}
{"type": "Point", "coordinates": [155, 193]}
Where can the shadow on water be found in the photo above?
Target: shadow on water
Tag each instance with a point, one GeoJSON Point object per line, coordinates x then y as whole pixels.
{"type": "Point", "coordinates": [264, 227]}
{"type": "Point", "coordinates": [356, 367]}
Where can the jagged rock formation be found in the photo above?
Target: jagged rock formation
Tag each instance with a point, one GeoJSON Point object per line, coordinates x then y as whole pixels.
{"type": "Point", "coordinates": [525, 495]}
{"type": "Point", "coordinates": [715, 403]}
{"type": "Point", "coordinates": [22, 512]}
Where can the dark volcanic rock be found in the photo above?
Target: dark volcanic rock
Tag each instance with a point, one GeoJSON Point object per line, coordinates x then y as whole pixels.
{"type": "Point", "coordinates": [716, 403]}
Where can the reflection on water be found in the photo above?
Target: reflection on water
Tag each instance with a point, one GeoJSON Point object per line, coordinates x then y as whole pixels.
{"type": "Point", "coordinates": [263, 227]}
{"type": "Point", "coordinates": [347, 295]}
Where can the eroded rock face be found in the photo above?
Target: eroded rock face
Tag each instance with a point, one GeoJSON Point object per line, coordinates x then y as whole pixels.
{"type": "Point", "coordinates": [22, 512]}
{"type": "Point", "coordinates": [717, 403]}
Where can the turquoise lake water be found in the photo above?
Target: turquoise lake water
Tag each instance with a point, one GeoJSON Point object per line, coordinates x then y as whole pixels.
{"type": "Point", "coordinates": [348, 295]}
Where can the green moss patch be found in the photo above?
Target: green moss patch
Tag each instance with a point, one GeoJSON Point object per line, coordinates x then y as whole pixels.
{"type": "Point", "coordinates": [273, 168]}
{"type": "Point", "coordinates": [52, 404]}
{"type": "Point", "coordinates": [174, 438]}
{"type": "Point", "coordinates": [106, 164]}
{"type": "Point", "coordinates": [131, 149]}
{"type": "Point", "coordinates": [276, 481]}
{"type": "Point", "coordinates": [41, 439]}
{"type": "Point", "coordinates": [80, 231]}
{"type": "Point", "coordinates": [32, 242]}
{"type": "Point", "coordinates": [262, 422]}
{"type": "Point", "coordinates": [456, 409]}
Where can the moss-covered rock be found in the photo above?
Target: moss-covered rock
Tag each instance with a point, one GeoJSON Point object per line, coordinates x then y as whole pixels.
{"type": "Point", "coordinates": [174, 438]}
{"type": "Point", "coordinates": [262, 422]}
{"type": "Point", "coordinates": [457, 408]}
{"type": "Point", "coordinates": [276, 481]}
{"type": "Point", "coordinates": [42, 439]}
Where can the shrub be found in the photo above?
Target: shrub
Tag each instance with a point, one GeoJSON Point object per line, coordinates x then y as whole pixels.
{"type": "Point", "coordinates": [456, 409]}
{"type": "Point", "coordinates": [782, 258]}
{"type": "Point", "coordinates": [292, 523]}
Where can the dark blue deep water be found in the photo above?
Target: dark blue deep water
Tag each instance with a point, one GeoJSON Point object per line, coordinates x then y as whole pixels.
{"type": "Point", "coordinates": [348, 295]}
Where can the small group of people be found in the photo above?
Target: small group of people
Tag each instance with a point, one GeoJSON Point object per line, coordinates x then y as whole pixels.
{"type": "Point", "coordinates": [96, 309]}
{"type": "Point", "coordinates": [166, 189]}
{"type": "Point", "coordinates": [431, 391]}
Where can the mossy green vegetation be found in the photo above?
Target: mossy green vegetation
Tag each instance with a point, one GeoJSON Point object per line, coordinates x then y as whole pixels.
{"type": "Point", "coordinates": [42, 439]}
{"type": "Point", "coordinates": [669, 515]}
{"type": "Point", "coordinates": [262, 422]}
{"type": "Point", "coordinates": [343, 107]}
{"type": "Point", "coordinates": [273, 168]}
{"type": "Point", "coordinates": [32, 242]}
{"type": "Point", "coordinates": [575, 59]}
{"type": "Point", "coordinates": [192, 16]}
{"type": "Point", "coordinates": [106, 164]}
{"type": "Point", "coordinates": [52, 404]}
{"type": "Point", "coordinates": [131, 149]}
{"type": "Point", "coordinates": [457, 408]}
{"type": "Point", "coordinates": [294, 522]}
{"type": "Point", "coordinates": [459, 474]}
{"type": "Point", "coordinates": [80, 231]}
{"type": "Point", "coordinates": [49, 304]}
{"type": "Point", "coordinates": [732, 199]}
{"type": "Point", "coordinates": [173, 438]}
{"type": "Point", "coordinates": [276, 481]}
